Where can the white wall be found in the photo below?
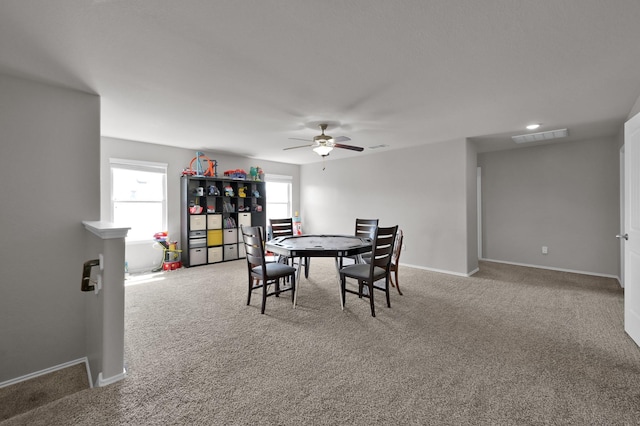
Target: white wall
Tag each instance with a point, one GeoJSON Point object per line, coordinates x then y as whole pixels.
{"type": "Point", "coordinates": [49, 162]}
{"type": "Point", "coordinates": [422, 189]}
{"type": "Point", "coordinates": [142, 256]}
{"type": "Point", "coordinates": [564, 196]}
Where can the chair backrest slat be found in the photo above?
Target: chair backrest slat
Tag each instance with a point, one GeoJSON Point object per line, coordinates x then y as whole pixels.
{"type": "Point", "coordinates": [365, 227]}
{"type": "Point", "coordinates": [254, 246]}
{"type": "Point", "coordinates": [281, 227]}
{"type": "Point", "coordinates": [383, 246]}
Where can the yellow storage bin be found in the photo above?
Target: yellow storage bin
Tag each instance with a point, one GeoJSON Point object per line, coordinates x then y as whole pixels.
{"type": "Point", "coordinates": [214, 237]}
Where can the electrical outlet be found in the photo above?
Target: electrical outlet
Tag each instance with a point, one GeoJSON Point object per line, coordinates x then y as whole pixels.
{"type": "Point", "coordinates": [545, 250]}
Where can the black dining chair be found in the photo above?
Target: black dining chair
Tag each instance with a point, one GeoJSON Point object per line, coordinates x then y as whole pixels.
{"type": "Point", "coordinates": [375, 274]}
{"type": "Point", "coordinates": [364, 228]}
{"type": "Point", "coordinates": [263, 274]}
{"type": "Point", "coordinates": [284, 228]}
{"type": "Point", "coordinates": [395, 260]}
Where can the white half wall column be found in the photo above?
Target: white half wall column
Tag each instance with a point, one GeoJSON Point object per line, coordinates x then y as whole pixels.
{"type": "Point", "coordinates": [107, 307]}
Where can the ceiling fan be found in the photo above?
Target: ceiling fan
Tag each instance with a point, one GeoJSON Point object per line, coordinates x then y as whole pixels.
{"type": "Point", "coordinates": [323, 144]}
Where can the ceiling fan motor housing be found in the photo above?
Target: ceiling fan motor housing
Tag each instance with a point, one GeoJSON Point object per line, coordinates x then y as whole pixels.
{"type": "Point", "coordinates": [323, 139]}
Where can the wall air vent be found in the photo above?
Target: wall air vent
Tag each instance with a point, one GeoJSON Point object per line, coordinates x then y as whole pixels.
{"type": "Point", "coordinates": [541, 136]}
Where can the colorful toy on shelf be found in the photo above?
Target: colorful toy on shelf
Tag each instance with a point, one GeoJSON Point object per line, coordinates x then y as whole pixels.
{"type": "Point", "coordinates": [256, 194]}
{"type": "Point", "coordinates": [241, 192]}
{"type": "Point", "coordinates": [213, 190]}
{"type": "Point", "coordinates": [236, 174]}
{"type": "Point", "coordinates": [228, 191]}
{"type": "Point", "coordinates": [257, 208]}
{"type": "Point", "coordinates": [204, 166]}
{"type": "Point", "coordinates": [256, 173]}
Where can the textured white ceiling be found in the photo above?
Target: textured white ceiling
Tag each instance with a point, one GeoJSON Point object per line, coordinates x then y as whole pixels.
{"type": "Point", "coordinates": [244, 76]}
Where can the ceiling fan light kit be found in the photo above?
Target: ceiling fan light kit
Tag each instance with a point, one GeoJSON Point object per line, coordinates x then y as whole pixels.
{"type": "Point", "coordinates": [323, 150]}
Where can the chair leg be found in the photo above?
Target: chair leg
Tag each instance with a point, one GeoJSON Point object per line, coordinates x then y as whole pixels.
{"type": "Point", "coordinates": [343, 289]}
{"type": "Point", "coordinates": [397, 283]}
{"type": "Point", "coordinates": [386, 290]}
{"type": "Point", "coordinates": [264, 296]}
{"type": "Point", "coordinates": [293, 288]}
{"type": "Point", "coordinates": [250, 289]}
{"type": "Point", "coordinates": [373, 309]}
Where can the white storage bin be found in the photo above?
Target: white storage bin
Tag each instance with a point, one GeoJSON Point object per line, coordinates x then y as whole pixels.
{"type": "Point", "coordinates": [230, 236]}
{"type": "Point", "coordinates": [230, 251]}
{"type": "Point", "coordinates": [244, 219]}
{"type": "Point", "coordinates": [214, 254]}
{"type": "Point", "coordinates": [197, 222]}
{"type": "Point", "coordinates": [197, 256]}
{"type": "Point", "coordinates": [214, 221]}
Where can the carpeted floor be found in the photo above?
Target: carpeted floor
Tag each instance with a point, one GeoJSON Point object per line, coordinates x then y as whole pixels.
{"type": "Point", "coordinates": [510, 346]}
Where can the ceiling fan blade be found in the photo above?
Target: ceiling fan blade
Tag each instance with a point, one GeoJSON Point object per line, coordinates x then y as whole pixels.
{"type": "Point", "coordinates": [296, 147]}
{"type": "Point", "coordinates": [341, 139]}
{"type": "Point", "coordinates": [351, 147]}
{"type": "Point", "coordinates": [300, 139]}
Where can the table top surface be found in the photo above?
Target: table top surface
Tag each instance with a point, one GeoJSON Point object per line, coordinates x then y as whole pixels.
{"type": "Point", "coordinates": [319, 245]}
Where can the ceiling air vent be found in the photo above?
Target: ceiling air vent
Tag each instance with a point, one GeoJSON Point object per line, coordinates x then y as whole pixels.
{"type": "Point", "coordinates": [541, 136]}
{"type": "Point", "coordinates": [378, 146]}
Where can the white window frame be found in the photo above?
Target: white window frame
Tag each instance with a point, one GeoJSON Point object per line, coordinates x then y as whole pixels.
{"type": "Point", "coordinates": [144, 166]}
{"type": "Point", "coordinates": [280, 179]}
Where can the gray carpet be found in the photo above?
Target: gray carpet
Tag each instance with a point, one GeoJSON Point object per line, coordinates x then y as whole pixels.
{"type": "Point", "coordinates": [24, 396]}
{"type": "Point", "coordinates": [511, 346]}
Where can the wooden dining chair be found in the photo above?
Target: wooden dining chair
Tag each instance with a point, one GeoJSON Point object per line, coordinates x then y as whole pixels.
{"type": "Point", "coordinates": [263, 274]}
{"type": "Point", "coordinates": [375, 274]}
{"type": "Point", "coordinates": [364, 228]}
{"type": "Point", "coordinates": [284, 228]}
{"type": "Point", "coordinates": [395, 261]}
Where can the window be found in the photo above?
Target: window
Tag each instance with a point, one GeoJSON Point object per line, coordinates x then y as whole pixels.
{"type": "Point", "coordinates": [278, 196]}
{"type": "Point", "coordinates": [139, 197]}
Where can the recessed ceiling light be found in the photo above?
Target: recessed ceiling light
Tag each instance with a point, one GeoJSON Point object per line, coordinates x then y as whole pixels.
{"type": "Point", "coordinates": [533, 126]}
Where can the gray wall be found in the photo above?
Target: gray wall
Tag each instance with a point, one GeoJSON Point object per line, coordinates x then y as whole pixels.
{"type": "Point", "coordinates": [142, 256]}
{"type": "Point", "coordinates": [422, 189]}
{"type": "Point", "coordinates": [49, 162]}
{"type": "Point", "coordinates": [564, 196]}
{"type": "Point", "coordinates": [471, 172]}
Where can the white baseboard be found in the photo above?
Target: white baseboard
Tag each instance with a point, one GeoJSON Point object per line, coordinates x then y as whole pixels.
{"type": "Point", "coordinates": [573, 271]}
{"type": "Point", "coordinates": [50, 370]}
{"type": "Point", "coordinates": [112, 379]}
{"type": "Point", "coordinates": [441, 271]}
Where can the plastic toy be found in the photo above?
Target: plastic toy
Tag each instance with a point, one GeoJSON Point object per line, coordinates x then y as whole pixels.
{"type": "Point", "coordinates": [211, 168]}
{"type": "Point", "coordinates": [256, 173]}
{"type": "Point", "coordinates": [241, 192]}
{"type": "Point", "coordinates": [236, 174]}
{"type": "Point", "coordinates": [228, 191]}
{"type": "Point", "coordinates": [213, 190]}
{"type": "Point", "coordinates": [256, 194]}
